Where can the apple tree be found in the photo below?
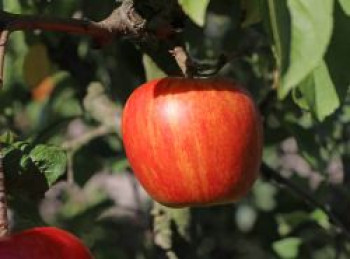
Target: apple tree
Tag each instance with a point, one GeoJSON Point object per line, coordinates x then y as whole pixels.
{"type": "Point", "coordinates": [67, 70]}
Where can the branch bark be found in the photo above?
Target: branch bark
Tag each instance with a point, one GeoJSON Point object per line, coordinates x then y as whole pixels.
{"type": "Point", "coordinates": [126, 20]}
{"type": "Point", "coordinates": [3, 201]}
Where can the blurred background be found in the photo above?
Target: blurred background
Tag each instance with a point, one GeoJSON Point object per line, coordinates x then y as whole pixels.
{"type": "Point", "coordinates": [62, 92]}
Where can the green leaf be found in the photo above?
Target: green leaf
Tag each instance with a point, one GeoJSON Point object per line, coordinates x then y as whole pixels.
{"type": "Point", "coordinates": [287, 248]}
{"type": "Point", "coordinates": [252, 10]}
{"type": "Point", "coordinates": [319, 92]}
{"type": "Point", "coordinates": [196, 10]}
{"type": "Point", "coordinates": [8, 137]}
{"type": "Point", "coordinates": [276, 19]}
{"type": "Point", "coordinates": [287, 222]}
{"type": "Point", "coordinates": [13, 6]}
{"type": "Point", "coordinates": [31, 171]}
{"type": "Point", "coordinates": [311, 31]}
{"type": "Point", "coordinates": [151, 68]}
{"type": "Point", "coordinates": [264, 195]}
{"type": "Point", "coordinates": [245, 218]}
{"type": "Point", "coordinates": [51, 161]}
{"type": "Point", "coordinates": [337, 57]}
{"type": "Point", "coordinates": [345, 4]}
{"type": "Point", "coordinates": [321, 218]}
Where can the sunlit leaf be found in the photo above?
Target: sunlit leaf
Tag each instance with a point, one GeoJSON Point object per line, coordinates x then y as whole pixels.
{"type": "Point", "coordinates": [319, 92]}
{"type": "Point", "coordinates": [195, 9]}
{"type": "Point", "coordinates": [311, 31]}
{"type": "Point", "coordinates": [321, 218]}
{"type": "Point", "coordinates": [50, 160]}
{"type": "Point", "coordinates": [345, 5]}
{"type": "Point", "coordinates": [151, 68]}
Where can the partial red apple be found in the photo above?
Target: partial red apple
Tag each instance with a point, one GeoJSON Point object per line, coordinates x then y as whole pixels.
{"type": "Point", "coordinates": [193, 142]}
{"type": "Point", "coordinates": [43, 243]}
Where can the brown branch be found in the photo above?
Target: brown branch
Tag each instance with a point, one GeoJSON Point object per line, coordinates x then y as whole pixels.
{"type": "Point", "coordinates": [129, 19]}
{"type": "Point", "coordinates": [117, 24]}
{"type": "Point", "coordinates": [3, 201]}
{"type": "Point", "coordinates": [3, 42]}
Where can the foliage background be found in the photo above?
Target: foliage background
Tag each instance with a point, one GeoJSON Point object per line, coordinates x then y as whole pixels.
{"type": "Point", "coordinates": [60, 110]}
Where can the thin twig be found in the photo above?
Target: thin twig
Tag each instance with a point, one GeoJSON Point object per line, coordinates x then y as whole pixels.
{"type": "Point", "coordinates": [72, 146]}
{"type": "Point", "coordinates": [75, 144]}
{"type": "Point", "coordinates": [70, 168]}
{"type": "Point", "coordinates": [271, 174]}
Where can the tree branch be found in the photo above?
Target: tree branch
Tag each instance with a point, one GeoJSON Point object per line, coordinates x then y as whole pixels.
{"type": "Point", "coordinates": [3, 42]}
{"type": "Point", "coordinates": [126, 20]}
{"type": "Point", "coordinates": [3, 200]}
{"type": "Point", "coordinates": [75, 144]}
{"type": "Point", "coordinates": [271, 174]}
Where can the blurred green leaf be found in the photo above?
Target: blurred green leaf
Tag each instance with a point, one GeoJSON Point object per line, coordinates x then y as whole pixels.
{"type": "Point", "coordinates": [321, 218]}
{"type": "Point", "coordinates": [311, 31]}
{"type": "Point", "coordinates": [245, 218]}
{"type": "Point", "coordinates": [50, 160]}
{"type": "Point", "coordinates": [13, 6]}
{"type": "Point", "coordinates": [196, 10]}
{"type": "Point", "coordinates": [345, 5]}
{"type": "Point", "coordinates": [264, 195]}
{"type": "Point", "coordinates": [8, 137]}
{"type": "Point", "coordinates": [287, 248]}
{"type": "Point", "coordinates": [151, 68]}
{"type": "Point", "coordinates": [252, 10]}
{"type": "Point", "coordinates": [287, 222]}
{"type": "Point", "coordinates": [319, 92]}
{"type": "Point", "coordinates": [327, 252]}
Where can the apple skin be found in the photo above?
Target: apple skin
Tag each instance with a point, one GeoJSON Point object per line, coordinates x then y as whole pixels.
{"type": "Point", "coordinates": [193, 142]}
{"type": "Point", "coordinates": [43, 243]}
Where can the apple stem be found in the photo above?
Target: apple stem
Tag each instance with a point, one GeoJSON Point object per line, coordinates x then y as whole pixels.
{"type": "Point", "coordinates": [184, 61]}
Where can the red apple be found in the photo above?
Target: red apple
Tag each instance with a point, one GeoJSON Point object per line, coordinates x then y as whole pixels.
{"type": "Point", "coordinates": [43, 243]}
{"type": "Point", "coordinates": [193, 142]}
